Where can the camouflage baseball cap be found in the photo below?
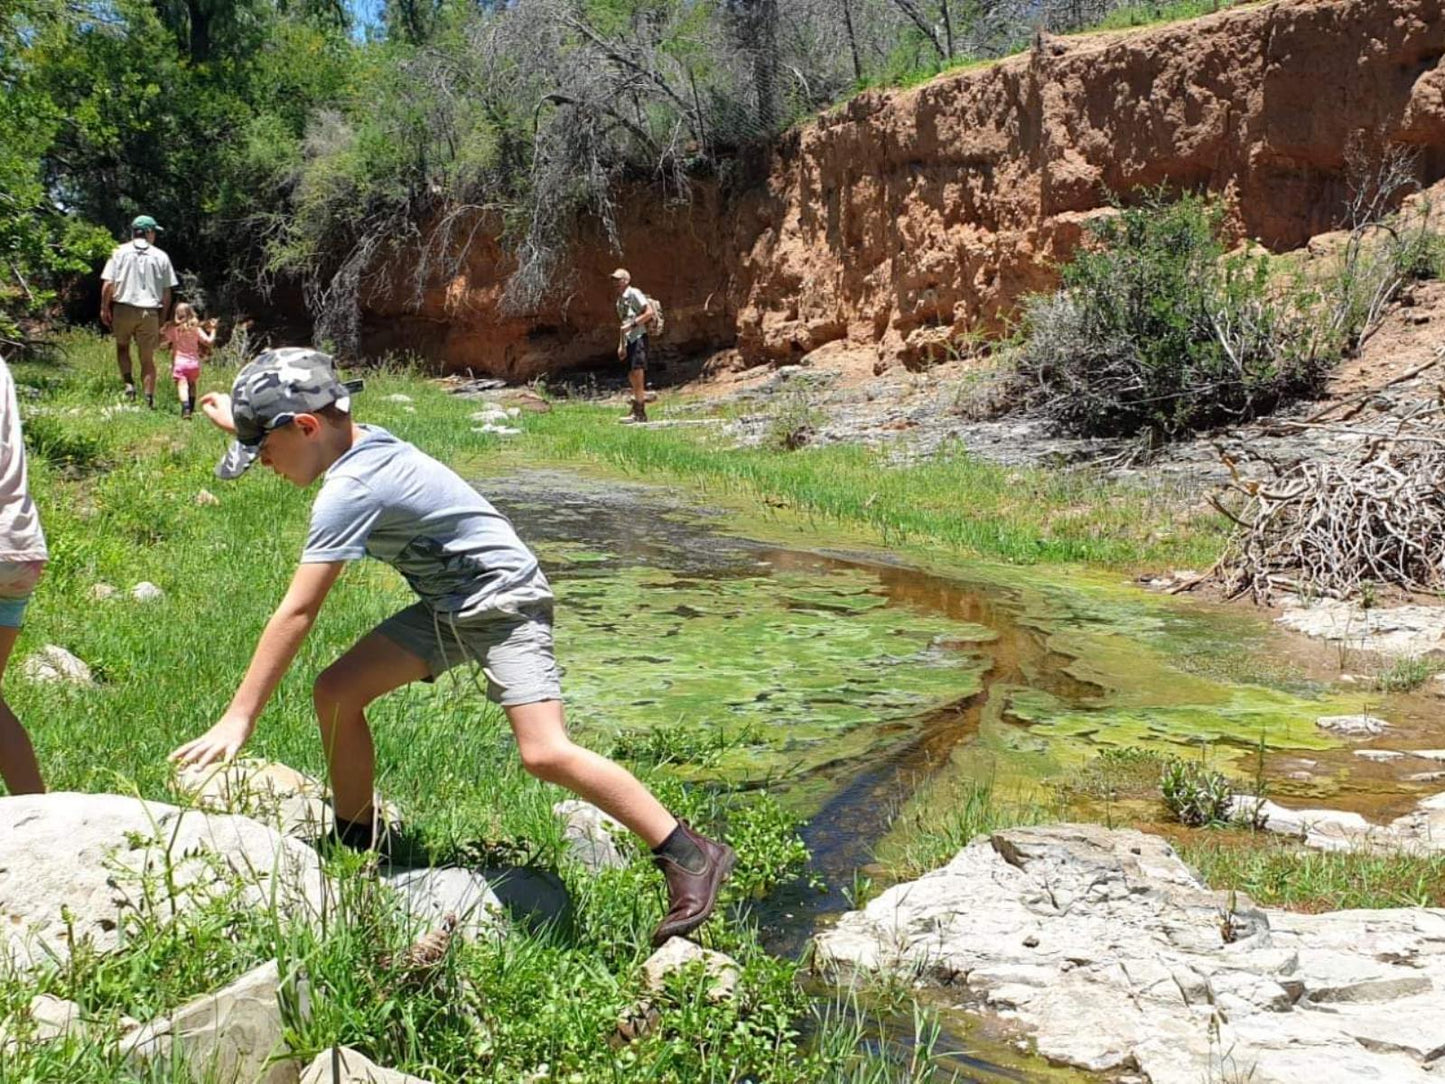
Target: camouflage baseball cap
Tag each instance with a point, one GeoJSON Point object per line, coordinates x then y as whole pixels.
{"type": "Point", "coordinates": [271, 390]}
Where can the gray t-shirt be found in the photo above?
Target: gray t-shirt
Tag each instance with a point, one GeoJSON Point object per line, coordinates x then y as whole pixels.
{"type": "Point", "coordinates": [386, 499]}
{"type": "Point", "coordinates": [141, 273]}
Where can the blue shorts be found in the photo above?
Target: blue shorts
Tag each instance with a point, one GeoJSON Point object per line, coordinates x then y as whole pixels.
{"type": "Point", "coordinates": [17, 582]}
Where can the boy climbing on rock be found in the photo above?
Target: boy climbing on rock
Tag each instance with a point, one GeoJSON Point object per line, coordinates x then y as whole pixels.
{"type": "Point", "coordinates": [482, 597]}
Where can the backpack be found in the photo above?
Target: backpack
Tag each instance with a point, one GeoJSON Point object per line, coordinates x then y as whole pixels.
{"type": "Point", "coordinates": [658, 322]}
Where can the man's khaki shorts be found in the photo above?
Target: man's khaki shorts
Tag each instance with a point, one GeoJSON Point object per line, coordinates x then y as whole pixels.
{"type": "Point", "coordinates": [130, 322]}
{"type": "Point", "coordinates": [514, 650]}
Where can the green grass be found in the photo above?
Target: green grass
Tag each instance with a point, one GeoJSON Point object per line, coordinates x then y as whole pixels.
{"type": "Point", "coordinates": [117, 490]}
{"type": "Point", "coordinates": [1278, 873]}
{"type": "Point", "coordinates": [1128, 17]}
{"type": "Point", "coordinates": [1407, 674]}
{"type": "Point", "coordinates": [955, 501]}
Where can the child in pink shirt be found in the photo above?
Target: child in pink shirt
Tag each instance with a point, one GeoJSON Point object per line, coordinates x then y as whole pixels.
{"type": "Point", "coordinates": [186, 337]}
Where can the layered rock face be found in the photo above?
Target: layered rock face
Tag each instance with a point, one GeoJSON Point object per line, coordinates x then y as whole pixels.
{"type": "Point", "coordinates": [1104, 948]}
{"type": "Point", "coordinates": [901, 222]}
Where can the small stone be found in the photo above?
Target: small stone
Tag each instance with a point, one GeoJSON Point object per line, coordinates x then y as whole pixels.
{"type": "Point", "coordinates": [1352, 724]}
{"type": "Point", "coordinates": [591, 835]}
{"type": "Point", "coordinates": [398, 397]}
{"type": "Point", "coordinates": [429, 895]}
{"type": "Point", "coordinates": [678, 954]}
{"type": "Point", "coordinates": [1425, 777]}
{"type": "Point", "coordinates": [52, 663]}
{"type": "Point", "coordinates": [342, 1065]}
{"type": "Point", "coordinates": [50, 1018]}
{"type": "Point", "coordinates": [496, 430]}
{"type": "Point", "coordinates": [145, 591]}
{"type": "Point", "coordinates": [1379, 754]}
{"type": "Point", "coordinates": [233, 1034]}
{"type": "Point", "coordinates": [490, 414]}
{"type": "Point", "coordinates": [100, 592]}
{"type": "Point", "coordinates": [205, 498]}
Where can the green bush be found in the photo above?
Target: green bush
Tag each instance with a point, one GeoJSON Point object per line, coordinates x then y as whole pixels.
{"type": "Point", "coordinates": [1156, 331]}
{"type": "Point", "coordinates": [1196, 795]}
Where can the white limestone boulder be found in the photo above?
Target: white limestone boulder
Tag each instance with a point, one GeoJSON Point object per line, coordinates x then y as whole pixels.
{"type": "Point", "coordinates": [1105, 948]}
{"type": "Point", "coordinates": [85, 864]}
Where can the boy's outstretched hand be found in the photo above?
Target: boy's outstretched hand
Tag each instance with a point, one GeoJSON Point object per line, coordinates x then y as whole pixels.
{"type": "Point", "coordinates": [216, 405]}
{"type": "Point", "coordinates": [222, 742]}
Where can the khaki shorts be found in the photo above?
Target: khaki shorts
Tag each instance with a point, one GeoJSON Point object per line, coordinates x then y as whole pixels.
{"type": "Point", "coordinates": [514, 650]}
{"type": "Point", "coordinates": [130, 322]}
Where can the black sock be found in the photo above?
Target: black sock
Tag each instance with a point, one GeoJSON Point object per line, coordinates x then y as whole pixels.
{"type": "Point", "coordinates": [358, 835]}
{"type": "Point", "coordinates": [680, 848]}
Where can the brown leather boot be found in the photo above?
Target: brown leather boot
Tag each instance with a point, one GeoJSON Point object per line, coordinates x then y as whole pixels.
{"type": "Point", "coordinates": [691, 896]}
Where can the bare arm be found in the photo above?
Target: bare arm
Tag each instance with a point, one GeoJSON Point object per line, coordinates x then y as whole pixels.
{"type": "Point", "coordinates": [274, 653]}
{"type": "Point", "coordinates": [166, 303]}
{"type": "Point", "coordinates": [107, 298]}
{"type": "Point", "coordinates": [216, 405]}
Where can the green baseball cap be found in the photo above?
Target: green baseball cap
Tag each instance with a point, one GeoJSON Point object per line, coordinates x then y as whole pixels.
{"type": "Point", "coordinates": [145, 222]}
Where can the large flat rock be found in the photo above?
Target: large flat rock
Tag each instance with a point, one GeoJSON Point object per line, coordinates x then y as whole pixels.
{"type": "Point", "coordinates": [1106, 948]}
{"type": "Point", "coordinates": [104, 858]}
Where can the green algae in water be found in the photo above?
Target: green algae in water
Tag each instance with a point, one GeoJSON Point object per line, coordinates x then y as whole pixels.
{"type": "Point", "coordinates": [810, 667]}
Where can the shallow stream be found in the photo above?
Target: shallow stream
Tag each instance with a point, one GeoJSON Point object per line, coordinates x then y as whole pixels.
{"type": "Point", "coordinates": [864, 691]}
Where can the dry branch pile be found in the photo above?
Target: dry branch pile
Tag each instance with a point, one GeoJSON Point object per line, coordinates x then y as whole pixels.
{"type": "Point", "coordinates": [1328, 527]}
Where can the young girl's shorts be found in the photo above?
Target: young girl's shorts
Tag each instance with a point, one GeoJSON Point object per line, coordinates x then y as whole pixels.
{"type": "Point", "coordinates": [17, 583]}
{"type": "Point", "coordinates": [186, 369]}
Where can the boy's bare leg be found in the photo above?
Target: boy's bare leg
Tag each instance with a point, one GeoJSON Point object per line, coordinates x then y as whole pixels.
{"type": "Point", "coordinates": [18, 765]}
{"type": "Point", "coordinates": [549, 754]}
{"type": "Point", "coordinates": [373, 667]}
{"type": "Point", "coordinates": [638, 379]}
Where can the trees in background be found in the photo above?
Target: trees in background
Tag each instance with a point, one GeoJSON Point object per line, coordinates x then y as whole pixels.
{"type": "Point", "coordinates": [277, 139]}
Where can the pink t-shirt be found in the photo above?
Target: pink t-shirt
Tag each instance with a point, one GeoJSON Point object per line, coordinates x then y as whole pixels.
{"type": "Point", "coordinates": [185, 342]}
{"type": "Point", "coordinates": [21, 538]}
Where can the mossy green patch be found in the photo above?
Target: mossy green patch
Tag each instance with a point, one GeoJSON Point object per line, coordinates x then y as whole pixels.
{"type": "Point", "coordinates": [812, 667]}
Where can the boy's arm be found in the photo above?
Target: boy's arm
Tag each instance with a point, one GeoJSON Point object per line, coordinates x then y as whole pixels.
{"type": "Point", "coordinates": [216, 405]}
{"type": "Point", "coordinates": [275, 650]}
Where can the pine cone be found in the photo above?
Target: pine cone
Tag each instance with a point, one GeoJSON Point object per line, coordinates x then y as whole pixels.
{"type": "Point", "coordinates": [429, 950]}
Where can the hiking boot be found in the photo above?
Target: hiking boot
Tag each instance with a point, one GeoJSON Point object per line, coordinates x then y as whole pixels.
{"type": "Point", "coordinates": [151, 400]}
{"type": "Point", "coordinates": [692, 894]}
{"type": "Point", "coordinates": [635, 413]}
{"type": "Point", "coordinates": [130, 391]}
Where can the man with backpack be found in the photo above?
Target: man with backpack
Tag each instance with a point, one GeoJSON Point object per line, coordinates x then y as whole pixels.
{"type": "Point", "coordinates": [638, 314]}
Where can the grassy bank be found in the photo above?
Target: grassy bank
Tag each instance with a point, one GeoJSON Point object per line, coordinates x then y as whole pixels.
{"type": "Point", "coordinates": [1271, 870]}
{"type": "Point", "coordinates": [954, 501]}
{"type": "Point", "coordinates": [127, 495]}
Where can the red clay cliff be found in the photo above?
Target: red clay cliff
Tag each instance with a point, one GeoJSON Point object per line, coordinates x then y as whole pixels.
{"type": "Point", "coordinates": [902, 221]}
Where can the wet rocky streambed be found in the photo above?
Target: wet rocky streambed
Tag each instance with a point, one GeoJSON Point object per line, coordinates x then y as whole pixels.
{"type": "Point", "coordinates": [869, 692]}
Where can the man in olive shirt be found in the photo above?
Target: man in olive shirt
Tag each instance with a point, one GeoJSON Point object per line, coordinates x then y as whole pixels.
{"type": "Point", "coordinates": [135, 297]}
